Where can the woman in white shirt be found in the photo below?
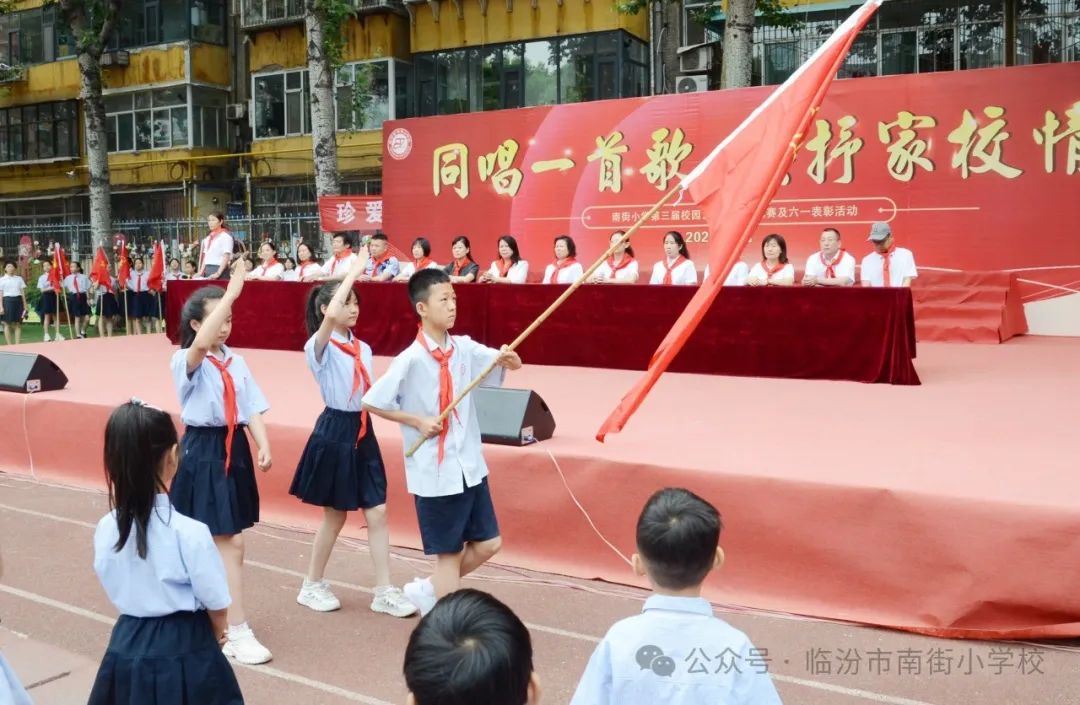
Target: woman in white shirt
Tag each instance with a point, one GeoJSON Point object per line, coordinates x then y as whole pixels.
{"type": "Point", "coordinates": [269, 270]}
{"type": "Point", "coordinates": [289, 275]}
{"type": "Point", "coordinates": [774, 268]}
{"type": "Point", "coordinates": [14, 290]}
{"type": "Point", "coordinates": [509, 268]}
{"type": "Point", "coordinates": [565, 269]}
{"type": "Point", "coordinates": [307, 269]}
{"type": "Point", "coordinates": [216, 251]}
{"type": "Point", "coordinates": [421, 252]}
{"type": "Point", "coordinates": [621, 267]}
{"type": "Point", "coordinates": [676, 267]}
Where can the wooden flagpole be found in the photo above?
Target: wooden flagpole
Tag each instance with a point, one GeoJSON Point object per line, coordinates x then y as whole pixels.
{"type": "Point", "coordinates": [62, 294]}
{"type": "Point", "coordinates": [550, 310]}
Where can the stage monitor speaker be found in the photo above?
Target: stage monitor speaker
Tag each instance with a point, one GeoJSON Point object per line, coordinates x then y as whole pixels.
{"type": "Point", "coordinates": [29, 372]}
{"type": "Point", "coordinates": [512, 417]}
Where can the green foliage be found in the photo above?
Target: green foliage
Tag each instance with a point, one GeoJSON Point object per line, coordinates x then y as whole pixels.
{"type": "Point", "coordinates": [770, 12]}
{"type": "Point", "coordinates": [335, 16]}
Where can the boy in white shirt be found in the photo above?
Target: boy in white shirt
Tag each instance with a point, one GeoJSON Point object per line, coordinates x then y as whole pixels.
{"type": "Point", "coordinates": [887, 265]}
{"type": "Point", "coordinates": [447, 474]}
{"type": "Point", "coordinates": [832, 266]}
{"type": "Point", "coordinates": [674, 651]}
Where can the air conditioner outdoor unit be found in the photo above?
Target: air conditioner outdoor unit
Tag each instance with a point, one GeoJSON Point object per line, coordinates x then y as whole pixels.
{"type": "Point", "coordinates": [696, 58]}
{"type": "Point", "coordinates": [116, 58]}
{"type": "Point", "coordinates": [692, 84]}
{"type": "Point", "coordinates": [236, 111]}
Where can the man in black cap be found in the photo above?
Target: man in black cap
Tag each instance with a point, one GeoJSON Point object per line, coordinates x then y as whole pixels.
{"type": "Point", "coordinates": [887, 265]}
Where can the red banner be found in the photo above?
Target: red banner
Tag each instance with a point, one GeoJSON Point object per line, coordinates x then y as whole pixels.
{"type": "Point", "coordinates": [350, 213]}
{"type": "Point", "coordinates": [974, 170]}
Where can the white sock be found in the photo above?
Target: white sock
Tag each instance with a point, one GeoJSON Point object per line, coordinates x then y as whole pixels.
{"type": "Point", "coordinates": [311, 583]}
{"type": "Point", "coordinates": [382, 589]}
{"type": "Point", "coordinates": [237, 629]}
{"type": "Point", "coordinates": [429, 587]}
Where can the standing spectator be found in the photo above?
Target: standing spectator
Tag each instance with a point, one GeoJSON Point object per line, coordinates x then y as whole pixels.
{"type": "Point", "coordinates": [216, 250]}
{"type": "Point", "coordinates": [14, 291]}
{"type": "Point", "coordinates": [78, 287]}
{"type": "Point", "coordinates": [48, 303]}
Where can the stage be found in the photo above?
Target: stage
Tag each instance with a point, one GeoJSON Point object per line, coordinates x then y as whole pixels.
{"type": "Point", "coordinates": [947, 508]}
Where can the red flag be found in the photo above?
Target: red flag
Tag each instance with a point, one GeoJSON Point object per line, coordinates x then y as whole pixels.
{"type": "Point", "coordinates": [735, 183]}
{"type": "Point", "coordinates": [60, 268]}
{"type": "Point", "coordinates": [157, 268]}
{"type": "Point", "coordinates": [123, 270]}
{"type": "Point", "coordinates": [99, 273]}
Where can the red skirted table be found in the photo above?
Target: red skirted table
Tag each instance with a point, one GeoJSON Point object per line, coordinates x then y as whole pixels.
{"type": "Point", "coordinates": [856, 334]}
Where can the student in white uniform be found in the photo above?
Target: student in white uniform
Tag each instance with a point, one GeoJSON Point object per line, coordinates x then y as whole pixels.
{"type": "Point", "coordinates": [341, 468]}
{"type": "Point", "coordinates": [421, 252]}
{"type": "Point", "coordinates": [215, 483]}
{"type": "Point", "coordinates": [48, 303]}
{"type": "Point", "coordinates": [676, 268]}
{"type": "Point", "coordinates": [462, 269]}
{"type": "Point", "coordinates": [774, 268]}
{"type": "Point", "coordinates": [108, 307]}
{"type": "Point", "coordinates": [269, 269]}
{"type": "Point", "coordinates": [216, 249]}
{"type": "Point", "coordinates": [14, 290]}
{"type": "Point", "coordinates": [341, 259]}
{"type": "Point", "coordinates": [620, 267]}
{"type": "Point", "coordinates": [509, 268]}
{"type": "Point", "coordinates": [78, 287]}
{"type": "Point", "coordinates": [381, 265]}
{"type": "Point", "coordinates": [832, 266]}
{"type": "Point", "coordinates": [565, 269]}
{"type": "Point", "coordinates": [650, 658]}
{"type": "Point", "coordinates": [142, 307]}
{"type": "Point", "coordinates": [447, 474]}
{"type": "Point", "coordinates": [161, 571]}
{"type": "Point", "coordinates": [307, 269]}
{"type": "Point", "coordinates": [887, 265]}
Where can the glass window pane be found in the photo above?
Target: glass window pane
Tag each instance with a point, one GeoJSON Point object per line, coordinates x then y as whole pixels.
{"type": "Point", "coordinates": [982, 45]}
{"type": "Point", "coordinates": [125, 132]}
{"type": "Point", "coordinates": [937, 49]}
{"type": "Point", "coordinates": [541, 73]}
{"type": "Point", "coordinates": [162, 129]}
{"type": "Point", "coordinates": [153, 24]}
{"type": "Point", "coordinates": [179, 127]}
{"type": "Point", "coordinates": [293, 80]}
{"type": "Point", "coordinates": [170, 96]}
{"type": "Point", "coordinates": [117, 103]}
{"type": "Point", "coordinates": [897, 53]}
{"type": "Point", "coordinates": [379, 108]}
{"type": "Point", "coordinates": [174, 19]}
{"type": "Point", "coordinates": [110, 132]}
{"type": "Point", "coordinates": [425, 84]}
{"type": "Point", "coordinates": [343, 95]}
{"type": "Point", "coordinates": [1039, 41]}
{"type": "Point", "coordinates": [576, 69]}
{"type": "Point", "coordinates": [404, 104]}
{"type": "Point", "coordinates": [197, 127]}
{"type": "Point", "coordinates": [781, 59]}
{"type": "Point", "coordinates": [513, 94]}
{"type": "Point", "coordinates": [293, 114]}
{"type": "Point", "coordinates": [44, 139]}
{"type": "Point", "coordinates": [269, 106]}
{"type": "Point", "coordinates": [453, 82]}
{"type": "Point", "coordinates": [222, 128]}
{"type": "Point", "coordinates": [635, 77]}
{"type": "Point", "coordinates": [862, 59]}
{"type": "Point", "coordinates": [143, 130]}
{"type": "Point", "coordinates": [492, 79]}
{"type": "Point", "coordinates": [5, 155]}
{"type": "Point", "coordinates": [476, 79]}
{"type": "Point", "coordinates": [66, 141]}
{"type": "Point", "coordinates": [29, 142]}
{"type": "Point", "coordinates": [142, 100]}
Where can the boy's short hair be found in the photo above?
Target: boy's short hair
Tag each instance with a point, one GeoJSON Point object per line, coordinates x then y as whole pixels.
{"type": "Point", "coordinates": [470, 649]}
{"type": "Point", "coordinates": [380, 235]}
{"type": "Point", "coordinates": [677, 535]}
{"type": "Point", "coordinates": [420, 284]}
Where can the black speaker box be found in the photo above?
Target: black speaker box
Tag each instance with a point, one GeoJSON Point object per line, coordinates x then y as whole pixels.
{"type": "Point", "coordinates": [512, 417]}
{"type": "Point", "coordinates": [29, 372]}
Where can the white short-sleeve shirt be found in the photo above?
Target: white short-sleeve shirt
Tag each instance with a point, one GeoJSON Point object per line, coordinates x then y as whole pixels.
{"type": "Point", "coordinates": [334, 372]}
{"type": "Point", "coordinates": [217, 250]}
{"type": "Point", "coordinates": [901, 266]}
{"type": "Point", "coordinates": [81, 280]}
{"type": "Point", "coordinates": [335, 265]}
{"type": "Point", "coordinates": [626, 273]}
{"type": "Point", "coordinates": [517, 274]}
{"type": "Point", "coordinates": [43, 283]}
{"type": "Point", "coordinates": [682, 274]}
{"type": "Point", "coordinates": [409, 268]}
{"type": "Point", "coordinates": [412, 385]}
{"type": "Point", "coordinates": [737, 275]}
{"type": "Point", "coordinates": [305, 269]}
{"type": "Point", "coordinates": [12, 285]}
{"type": "Point", "coordinates": [276, 270]}
{"type": "Point", "coordinates": [844, 267]}
{"type": "Point", "coordinates": [566, 275]}
{"type": "Point", "coordinates": [139, 281]}
{"type": "Point", "coordinates": [182, 571]}
{"type": "Point", "coordinates": [202, 401]}
{"type": "Point", "coordinates": [785, 275]}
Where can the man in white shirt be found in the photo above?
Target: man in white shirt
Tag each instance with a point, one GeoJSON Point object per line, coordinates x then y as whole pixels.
{"type": "Point", "coordinates": [887, 265]}
{"type": "Point", "coordinates": [832, 266]}
{"type": "Point", "coordinates": [341, 259]}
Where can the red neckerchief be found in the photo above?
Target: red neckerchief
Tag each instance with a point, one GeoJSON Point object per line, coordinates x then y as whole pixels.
{"type": "Point", "coordinates": [421, 263]}
{"type": "Point", "coordinates": [75, 283]}
{"type": "Point", "coordinates": [830, 271]}
{"type": "Point", "coordinates": [229, 400]}
{"type": "Point", "coordinates": [338, 257]}
{"type": "Point", "coordinates": [770, 272]}
{"type": "Point", "coordinates": [669, 267]}
{"type": "Point", "coordinates": [616, 267]}
{"type": "Point", "coordinates": [559, 267]}
{"type": "Point", "coordinates": [360, 375]}
{"type": "Point", "coordinates": [885, 257]}
{"type": "Point", "coordinates": [376, 263]}
{"type": "Point", "coordinates": [460, 264]}
{"type": "Point", "coordinates": [503, 266]}
{"type": "Point", "coordinates": [267, 265]}
{"type": "Point", "coordinates": [446, 386]}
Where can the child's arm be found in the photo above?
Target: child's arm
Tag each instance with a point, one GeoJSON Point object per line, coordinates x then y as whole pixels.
{"type": "Point", "coordinates": [426, 426]}
{"type": "Point", "coordinates": [334, 310]}
{"type": "Point", "coordinates": [262, 442]}
{"type": "Point", "coordinates": [211, 324]}
{"type": "Point", "coordinates": [219, 624]}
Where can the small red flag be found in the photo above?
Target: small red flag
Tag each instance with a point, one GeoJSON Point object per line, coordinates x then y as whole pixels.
{"type": "Point", "coordinates": [735, 183]}
{"type": "Point", "coordinates": [123, 270]}
{"type": "Point", "coordinates": [157, 268]}
{"type": "Point", "coordinates": [99, 274]}
{"type": "Point", "coordinates": [60, 268]}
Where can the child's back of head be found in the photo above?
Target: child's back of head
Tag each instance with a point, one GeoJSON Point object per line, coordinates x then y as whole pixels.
{"type": "Point", "coordinates": [678, 534]}
{"type": "Point", "coordinates": [470, 649]}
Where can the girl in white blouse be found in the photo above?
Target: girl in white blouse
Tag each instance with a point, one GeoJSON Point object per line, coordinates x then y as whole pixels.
{"type": "Point", "coordinates": [774, 268]}
{"type": "Point", "coordinates": [509, 268]}
{"type": "Point", "coordinates": [676, 267]}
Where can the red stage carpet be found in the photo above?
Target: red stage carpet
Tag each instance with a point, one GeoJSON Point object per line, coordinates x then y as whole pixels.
{"type": "Point", "coordinates": [948, 508]}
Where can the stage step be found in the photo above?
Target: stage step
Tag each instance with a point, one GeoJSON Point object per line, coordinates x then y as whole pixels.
{"type": "Point", "coordinates": [970, 307]}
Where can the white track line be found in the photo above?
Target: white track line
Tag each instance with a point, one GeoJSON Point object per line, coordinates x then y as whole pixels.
{"type": "Point", "coordinates": [357, 697]}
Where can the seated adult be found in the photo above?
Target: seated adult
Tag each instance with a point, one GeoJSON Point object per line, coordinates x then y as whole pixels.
{"type": "Point", "coordinates": [832, 266]}
{"type": "Point", "coordinates": [509, 268]}
{"type": "Point", "coordinates": [736, 277]}
{"type": "Point", "coordinates": [381, 265]}
{"type": "Point", "coordinates": [676, 267]}
{"type": "Point", "coordinates": [774, 268]}
{"type": "Point", "coordinates": [565, 269]}
{"type": "Point", "coordinates": [620, 267]}
{"type": "Point", "coordinates": [341, 259]}
{"type": "Point", "coordinates": [307, 269]}
{"type": "Point", "coordinates": [421, 252]}
{"type": "Point", "coordinates": [463, 269]}
{"type": "Point", "coordinates": [887, 265]}
{"type": "Point", "coordinates": [269, 269]}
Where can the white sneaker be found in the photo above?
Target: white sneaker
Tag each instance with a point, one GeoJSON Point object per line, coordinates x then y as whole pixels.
{"type": "Point", "coordinates": [244, 647]}
{"type": "Point", "coordinates": [59, 337]}
{"type": "Point", "coordinates": [392, 601]}
{"type": "Point", "coordinates": [318, 597]}
{"type": "Point", "coordinates": [421, 593]}
{"type": "Point", "coordinates": [47, 338]}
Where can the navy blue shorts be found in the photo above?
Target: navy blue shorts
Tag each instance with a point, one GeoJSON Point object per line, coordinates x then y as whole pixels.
{"type": "Point", "coordinates": [448, 523]}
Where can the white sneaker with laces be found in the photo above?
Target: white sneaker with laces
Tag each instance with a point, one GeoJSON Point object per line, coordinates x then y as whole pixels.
{"type": "Point", "coordinates": [243, 647]}
{"type": "Point", "coordinates": [422, 594]}
{"type": "Point", "coordinates": [392, 601]}
{"type": "Point", "coordinates": [318, 597]}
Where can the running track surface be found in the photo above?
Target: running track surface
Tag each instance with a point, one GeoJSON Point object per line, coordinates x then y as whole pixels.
{"type": "Point", "coordinates": [56, 622]}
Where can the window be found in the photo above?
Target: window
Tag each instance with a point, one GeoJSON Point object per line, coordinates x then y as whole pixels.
{"type": "Point", "coordinates": [147, 120]}
{"type": "Point", "coordinates": [208, 125]}
{"type": "Point", "coordinates": [694, 29]}
{"type": "Point", "coordinates": [376, 76]}
{"type": "Point", "coordinates": [39, 132]}
{"type": "Point", "coordinates": [1047, 31]}
{"type": "Point", "coordinates": [281, 104]}
{"type": "Point", "coordinates": [145, 22]}
{"type": "Point", "coordinates": [541, 73]}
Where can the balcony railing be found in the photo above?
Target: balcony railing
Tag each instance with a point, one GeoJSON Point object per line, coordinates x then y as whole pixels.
{"type": "Point", "coordinates": [262, 13]}
{"type": "Point", "coordinates": [364, 7]}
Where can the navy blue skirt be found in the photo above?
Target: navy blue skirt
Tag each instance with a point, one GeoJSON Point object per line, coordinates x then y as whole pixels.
{"type": "Point", "coordinates": [13, 309]}
{"type": "Point", "coordinates": [143, 305]}
{"type": "Point", "coordinates": [47, 303]}
{"type": "Point", "coordinates": [107, 305]}
{"type": "Point", "coordinates": [334, 471]}
{"type": "Point", "coordinates": [173, 660]}
{"type": "Point", "coordinates": [226, 503]}
{"type": "Point", "coordinates": [78, 305]}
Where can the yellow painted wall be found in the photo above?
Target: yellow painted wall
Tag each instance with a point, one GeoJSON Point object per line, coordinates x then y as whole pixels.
{"type": "Point", "coordinates": [291, 156]}
{"type": "Point", "coordinates": [372, 37]}
{"type": "Point", "coordinates": [22, 180]}
{"type": "Point", "coordinates": [210, 64]}
{"type": "Point", "coordinates": [58, 80]}
{"type": "Point", "coordinates": [149, 66]}
{"type": "Point", "coordinates": [163, 166]}
{"type": "Point", "coordinates": [521, 22]}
